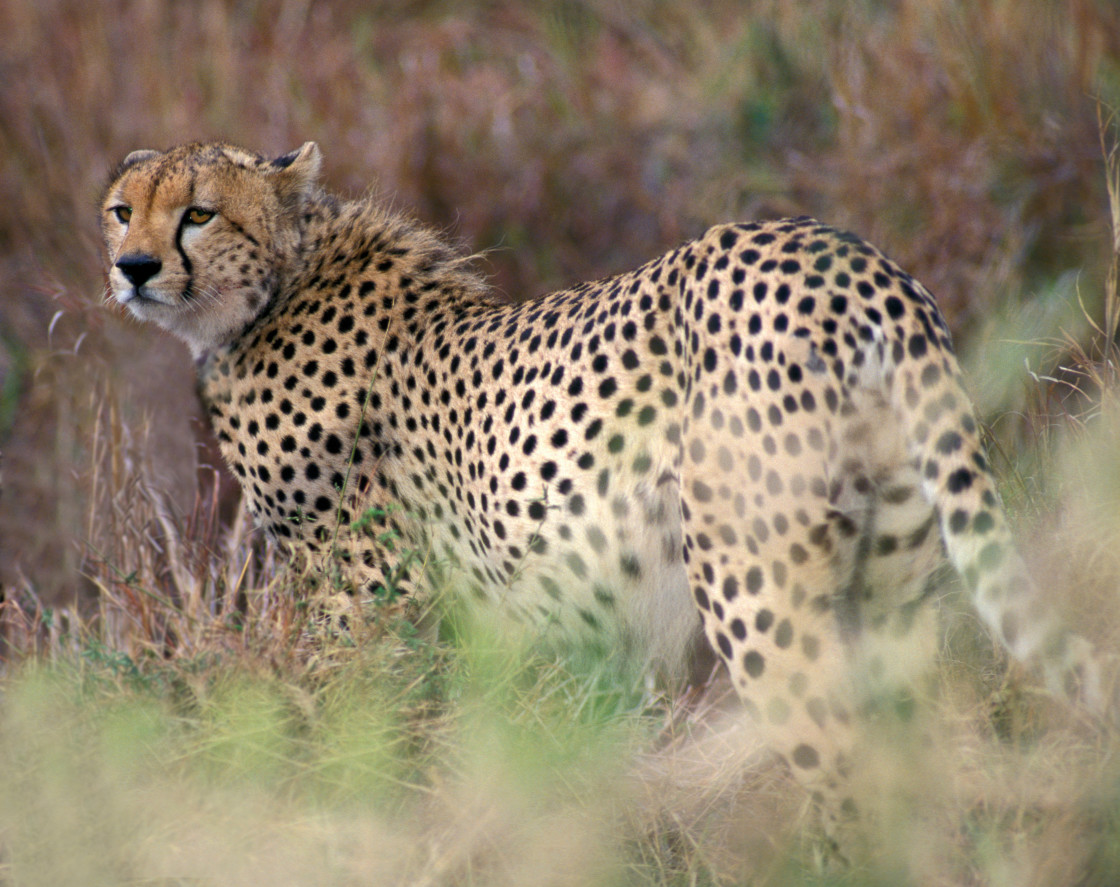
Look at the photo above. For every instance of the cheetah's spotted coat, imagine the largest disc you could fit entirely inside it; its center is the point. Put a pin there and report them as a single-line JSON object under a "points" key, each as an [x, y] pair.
{"points": [[766, 426]]}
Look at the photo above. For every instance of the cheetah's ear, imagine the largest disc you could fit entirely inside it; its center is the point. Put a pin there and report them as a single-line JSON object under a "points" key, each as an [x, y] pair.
{"points": [[136, 157], [296, 173]]}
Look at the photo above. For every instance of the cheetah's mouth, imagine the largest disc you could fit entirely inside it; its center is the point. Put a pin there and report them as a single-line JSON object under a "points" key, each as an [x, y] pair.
{"points": [[132, 294], [135, 300], [146, 305], [139, 298]]}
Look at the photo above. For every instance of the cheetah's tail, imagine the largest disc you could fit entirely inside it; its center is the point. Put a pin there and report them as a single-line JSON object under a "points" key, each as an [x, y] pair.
{"points": [[944, 443]]}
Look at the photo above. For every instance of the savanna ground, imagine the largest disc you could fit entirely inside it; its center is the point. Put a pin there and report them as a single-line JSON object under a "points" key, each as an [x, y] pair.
{"points": [[167, 716]]}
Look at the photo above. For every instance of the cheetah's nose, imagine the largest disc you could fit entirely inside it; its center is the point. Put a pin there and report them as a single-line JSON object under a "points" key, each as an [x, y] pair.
{"points": [[139, 268]]}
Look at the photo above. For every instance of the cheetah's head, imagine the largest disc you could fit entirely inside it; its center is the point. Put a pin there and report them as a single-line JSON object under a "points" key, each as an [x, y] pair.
{"points": [[200, 237]]}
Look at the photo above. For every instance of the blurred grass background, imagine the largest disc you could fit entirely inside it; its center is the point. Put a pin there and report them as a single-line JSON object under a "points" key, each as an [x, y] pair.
{"points": [[569, 140]]}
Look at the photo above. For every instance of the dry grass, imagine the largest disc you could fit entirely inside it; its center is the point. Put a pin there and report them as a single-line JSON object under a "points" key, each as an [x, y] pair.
{"points": [[170, 714]]}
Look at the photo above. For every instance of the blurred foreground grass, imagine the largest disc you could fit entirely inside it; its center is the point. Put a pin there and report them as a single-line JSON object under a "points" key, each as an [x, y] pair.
{"points": [[393, 763], [403, 760]]}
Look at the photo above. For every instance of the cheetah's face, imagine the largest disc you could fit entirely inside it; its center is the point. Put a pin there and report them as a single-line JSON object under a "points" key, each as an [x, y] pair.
{"points": [[199, 242]]}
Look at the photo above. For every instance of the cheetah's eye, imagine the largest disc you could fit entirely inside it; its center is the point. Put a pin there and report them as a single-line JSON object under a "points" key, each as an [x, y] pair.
{"points": [[123, 214], [198, 216]]}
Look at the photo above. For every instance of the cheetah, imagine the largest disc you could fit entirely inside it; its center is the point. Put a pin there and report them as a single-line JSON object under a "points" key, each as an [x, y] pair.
{"points": [[761, 436]]}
